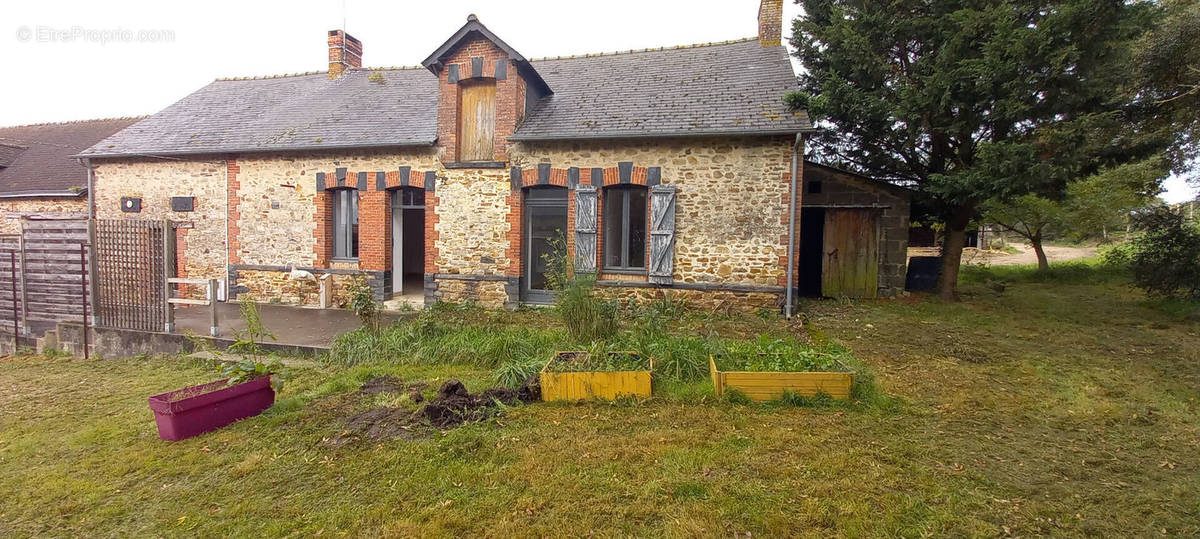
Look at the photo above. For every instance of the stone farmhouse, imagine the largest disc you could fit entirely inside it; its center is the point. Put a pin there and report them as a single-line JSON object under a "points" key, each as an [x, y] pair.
{"points": [[38, 176], [451, 181]]}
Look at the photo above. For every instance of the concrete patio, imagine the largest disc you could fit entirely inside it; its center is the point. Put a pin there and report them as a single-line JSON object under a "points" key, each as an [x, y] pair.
{"points": [[294, 326]]}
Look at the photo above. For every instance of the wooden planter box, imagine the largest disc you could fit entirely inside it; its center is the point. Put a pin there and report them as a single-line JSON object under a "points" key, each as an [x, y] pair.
{"points": [[574, 386], [191, 411], [768, 386]]}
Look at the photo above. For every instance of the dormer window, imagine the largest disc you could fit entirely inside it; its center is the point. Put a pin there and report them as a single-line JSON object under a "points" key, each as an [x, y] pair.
{"points": [[477, 120]]}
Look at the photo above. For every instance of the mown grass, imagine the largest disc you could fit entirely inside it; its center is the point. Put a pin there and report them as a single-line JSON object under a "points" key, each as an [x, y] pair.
{"points": [[519, 345], [1053, 408]]}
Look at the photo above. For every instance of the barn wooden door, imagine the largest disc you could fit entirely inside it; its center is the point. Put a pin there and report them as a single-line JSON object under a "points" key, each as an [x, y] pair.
{"points": [[851, 265], [478, 122]]}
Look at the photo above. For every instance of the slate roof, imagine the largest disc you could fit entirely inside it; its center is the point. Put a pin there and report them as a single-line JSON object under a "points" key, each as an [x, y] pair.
{"points": [[35, 160], [292, 112], [724, 88]]}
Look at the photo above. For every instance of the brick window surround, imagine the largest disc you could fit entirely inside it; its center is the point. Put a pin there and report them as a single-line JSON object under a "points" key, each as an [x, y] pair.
{"points": [[374, 190], [624, 173]]}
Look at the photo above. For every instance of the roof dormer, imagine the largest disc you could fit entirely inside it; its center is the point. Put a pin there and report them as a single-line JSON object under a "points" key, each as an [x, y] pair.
{"points": [[484, 89]]}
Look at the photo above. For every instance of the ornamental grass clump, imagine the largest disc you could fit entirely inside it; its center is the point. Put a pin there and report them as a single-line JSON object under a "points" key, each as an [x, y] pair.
{"points": [[587, 317]]}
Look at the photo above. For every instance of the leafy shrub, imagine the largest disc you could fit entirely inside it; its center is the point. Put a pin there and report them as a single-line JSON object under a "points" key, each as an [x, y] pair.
{"points": [[588, 318], [249, 342], [1119, 255], [247, 370], [1166, 262], [362, 302]]}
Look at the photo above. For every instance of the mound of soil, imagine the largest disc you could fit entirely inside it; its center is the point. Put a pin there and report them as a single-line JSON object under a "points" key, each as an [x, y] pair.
{"points": [[452, 406]]}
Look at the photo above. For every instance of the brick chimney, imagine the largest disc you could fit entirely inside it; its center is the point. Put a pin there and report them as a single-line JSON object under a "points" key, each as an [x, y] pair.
{"points": [[770, 23], [345, 52]]}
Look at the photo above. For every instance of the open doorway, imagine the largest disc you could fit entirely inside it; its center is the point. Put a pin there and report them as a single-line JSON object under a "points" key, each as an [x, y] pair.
{"points": [[812, 242], [408, 243], [839, 252]]}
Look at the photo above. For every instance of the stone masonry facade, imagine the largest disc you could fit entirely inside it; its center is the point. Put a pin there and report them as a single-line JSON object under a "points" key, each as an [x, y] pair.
{"points": [[730, 236], [12, 209]]}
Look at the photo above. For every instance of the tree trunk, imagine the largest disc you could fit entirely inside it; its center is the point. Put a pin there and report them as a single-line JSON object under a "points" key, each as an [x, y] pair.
{"points": [[1036, 241], [952, 249]]}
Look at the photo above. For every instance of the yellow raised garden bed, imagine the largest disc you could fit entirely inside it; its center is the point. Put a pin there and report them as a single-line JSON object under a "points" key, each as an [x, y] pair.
{"points": [[573, 386], [767, 386]]}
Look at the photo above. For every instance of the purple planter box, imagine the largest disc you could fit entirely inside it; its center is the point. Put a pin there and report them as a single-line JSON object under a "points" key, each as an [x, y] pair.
{"points": [[190, 411]]}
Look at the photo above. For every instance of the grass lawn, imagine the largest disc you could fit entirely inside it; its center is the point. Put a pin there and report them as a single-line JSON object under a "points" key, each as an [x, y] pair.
{"points": [[1065, 405]]}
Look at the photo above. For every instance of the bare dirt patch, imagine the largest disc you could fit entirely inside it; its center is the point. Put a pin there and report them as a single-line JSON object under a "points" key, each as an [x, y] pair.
{"points": [[452, 406]]}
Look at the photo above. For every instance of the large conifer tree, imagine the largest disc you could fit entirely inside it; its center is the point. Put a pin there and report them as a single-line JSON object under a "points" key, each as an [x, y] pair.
{"points": [[973, 101]]}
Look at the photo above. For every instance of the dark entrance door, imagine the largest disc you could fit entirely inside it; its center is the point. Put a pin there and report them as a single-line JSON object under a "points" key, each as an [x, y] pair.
{"points": [[812, 254], [545, 220]]}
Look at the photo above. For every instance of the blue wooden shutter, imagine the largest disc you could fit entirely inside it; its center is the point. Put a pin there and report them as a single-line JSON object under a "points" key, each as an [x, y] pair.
{"points": [[662, 234], [585, 228]]}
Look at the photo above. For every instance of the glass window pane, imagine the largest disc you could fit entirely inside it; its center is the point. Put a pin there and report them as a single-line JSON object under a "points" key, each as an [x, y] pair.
{"points": [[637, 228], [614, 205], [353, 195], [339, 224]]}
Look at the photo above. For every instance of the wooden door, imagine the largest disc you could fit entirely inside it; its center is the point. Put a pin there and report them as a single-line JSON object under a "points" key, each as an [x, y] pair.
{"points": [[851, 251], [478, 122]]}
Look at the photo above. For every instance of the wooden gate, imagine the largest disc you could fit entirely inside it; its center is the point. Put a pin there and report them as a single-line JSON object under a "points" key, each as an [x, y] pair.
{"points": [[133, 261], [851, 263]]}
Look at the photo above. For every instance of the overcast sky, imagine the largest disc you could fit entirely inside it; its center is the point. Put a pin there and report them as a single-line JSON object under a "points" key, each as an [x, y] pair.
{"points": [[98, 59]]}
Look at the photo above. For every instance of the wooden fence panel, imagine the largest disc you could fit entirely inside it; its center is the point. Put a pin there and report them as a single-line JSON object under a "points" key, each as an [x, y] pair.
{"points": [[10, 302], [52, 269]]}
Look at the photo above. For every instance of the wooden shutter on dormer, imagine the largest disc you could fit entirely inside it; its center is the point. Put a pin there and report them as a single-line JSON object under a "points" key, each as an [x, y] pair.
{"points": [[585, 228], [662, 234], [478, 119]]}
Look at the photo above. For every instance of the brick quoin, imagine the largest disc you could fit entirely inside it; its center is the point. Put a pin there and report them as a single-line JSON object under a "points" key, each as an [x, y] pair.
{"points": [[516, 214], [233, 202], [323, 232], [181, 271], [431, 232], [783, 240]]}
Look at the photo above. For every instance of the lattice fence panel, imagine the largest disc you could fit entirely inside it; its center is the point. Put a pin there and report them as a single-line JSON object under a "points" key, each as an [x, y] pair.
{"points": [[131, 273]]}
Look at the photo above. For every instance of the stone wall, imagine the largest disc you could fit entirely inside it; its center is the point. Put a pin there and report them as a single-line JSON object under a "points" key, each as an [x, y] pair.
{"points": [[731, 206], [731, 221], [202, 246], [12, 208], [275, 200], [472, 229], [273, 286], [839, 188], [711, 300]]}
